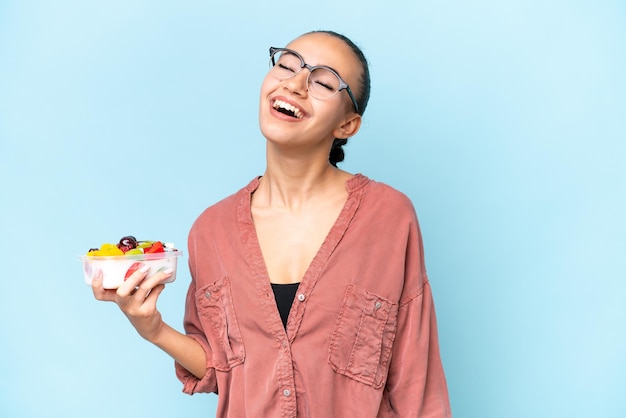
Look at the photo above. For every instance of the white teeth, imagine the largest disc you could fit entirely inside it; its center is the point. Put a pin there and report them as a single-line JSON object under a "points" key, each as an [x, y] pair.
{"points": [[280, 104]]}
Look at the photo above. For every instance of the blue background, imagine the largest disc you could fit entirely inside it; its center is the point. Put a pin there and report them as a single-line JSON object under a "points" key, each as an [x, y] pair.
{"points": [[504, 122]]}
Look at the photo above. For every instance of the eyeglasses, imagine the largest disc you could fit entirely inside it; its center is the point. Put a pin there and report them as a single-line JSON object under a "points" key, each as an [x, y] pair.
{"points": [[323, 82]]}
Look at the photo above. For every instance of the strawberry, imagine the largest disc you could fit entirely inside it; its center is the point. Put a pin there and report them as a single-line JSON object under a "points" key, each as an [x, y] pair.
{"points": [[133, 268], [157, 247]]}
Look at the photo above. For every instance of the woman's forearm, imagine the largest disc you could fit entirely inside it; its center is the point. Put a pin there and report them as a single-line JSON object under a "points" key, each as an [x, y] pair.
{"points": [[183, 349]]}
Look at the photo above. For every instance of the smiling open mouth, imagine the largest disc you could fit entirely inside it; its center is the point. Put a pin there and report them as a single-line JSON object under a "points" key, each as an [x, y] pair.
{"points": [[287, 109]]}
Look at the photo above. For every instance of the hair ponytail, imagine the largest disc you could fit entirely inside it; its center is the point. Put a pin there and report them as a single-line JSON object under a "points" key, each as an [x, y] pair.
{"points": [[336, 151]]}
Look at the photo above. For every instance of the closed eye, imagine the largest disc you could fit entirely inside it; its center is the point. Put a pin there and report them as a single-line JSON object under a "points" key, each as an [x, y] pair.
{"points": [[284, 67], [326, 86]]}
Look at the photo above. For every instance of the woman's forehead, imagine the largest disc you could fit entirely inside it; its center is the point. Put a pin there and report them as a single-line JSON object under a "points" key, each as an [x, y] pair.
{"points": [[325, 49]]}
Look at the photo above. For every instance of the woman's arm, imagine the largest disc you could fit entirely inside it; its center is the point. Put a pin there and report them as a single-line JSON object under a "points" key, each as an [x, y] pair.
{"points": [[416, 385], [137, 298]]}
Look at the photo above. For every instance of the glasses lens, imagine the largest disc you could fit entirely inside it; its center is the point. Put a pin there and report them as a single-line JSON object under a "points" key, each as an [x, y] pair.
{"points": [[284, 64], [323, 83]]}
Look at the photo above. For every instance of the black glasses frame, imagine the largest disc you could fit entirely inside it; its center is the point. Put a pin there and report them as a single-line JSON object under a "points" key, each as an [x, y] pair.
{"points": [[342, 84]]}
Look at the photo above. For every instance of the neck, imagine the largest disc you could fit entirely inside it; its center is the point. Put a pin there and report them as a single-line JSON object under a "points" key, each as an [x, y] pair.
{"points": [[290, 181]]}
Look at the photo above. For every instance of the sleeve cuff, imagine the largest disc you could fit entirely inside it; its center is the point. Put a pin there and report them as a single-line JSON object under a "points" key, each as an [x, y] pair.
{"points": [[191, 384]]}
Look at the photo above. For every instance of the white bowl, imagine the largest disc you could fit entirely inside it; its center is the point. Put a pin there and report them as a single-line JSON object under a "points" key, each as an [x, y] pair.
{"points": [[114, 268]]}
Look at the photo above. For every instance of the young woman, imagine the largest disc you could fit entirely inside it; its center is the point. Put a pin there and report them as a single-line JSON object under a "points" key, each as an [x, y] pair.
{"points": [[309, 294]]}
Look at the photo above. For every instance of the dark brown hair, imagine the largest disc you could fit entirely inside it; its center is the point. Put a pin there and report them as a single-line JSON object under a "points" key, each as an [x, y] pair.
{"points": [[337, 154]]}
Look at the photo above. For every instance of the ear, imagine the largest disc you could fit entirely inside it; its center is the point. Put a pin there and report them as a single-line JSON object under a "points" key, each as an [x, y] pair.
{"points": [[349, 127]]}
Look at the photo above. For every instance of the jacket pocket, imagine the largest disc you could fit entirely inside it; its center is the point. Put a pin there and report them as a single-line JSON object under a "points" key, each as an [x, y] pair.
{"points": [[217, 315], [360, 345]]}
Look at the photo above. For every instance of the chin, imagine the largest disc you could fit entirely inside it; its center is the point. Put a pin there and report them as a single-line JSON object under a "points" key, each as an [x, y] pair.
{"points": [[275, 135]]}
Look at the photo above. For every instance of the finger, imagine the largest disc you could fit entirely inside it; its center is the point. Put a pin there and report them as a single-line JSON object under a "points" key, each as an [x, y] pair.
{"points": [[128, 287], [99, 292], [153, 295], [152, 282], [159, 277]]}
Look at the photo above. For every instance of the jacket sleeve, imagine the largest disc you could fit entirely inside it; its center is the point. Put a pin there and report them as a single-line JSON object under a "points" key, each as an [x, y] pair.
{"points": [[416, 384], [193, 328]]}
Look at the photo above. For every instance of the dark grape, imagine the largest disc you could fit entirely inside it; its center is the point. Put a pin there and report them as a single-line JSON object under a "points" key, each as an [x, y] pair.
{"points": [[127, 243]]}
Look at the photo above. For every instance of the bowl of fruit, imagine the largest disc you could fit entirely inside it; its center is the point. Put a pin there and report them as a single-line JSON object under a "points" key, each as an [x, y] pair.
{"points": [[118, 261]]}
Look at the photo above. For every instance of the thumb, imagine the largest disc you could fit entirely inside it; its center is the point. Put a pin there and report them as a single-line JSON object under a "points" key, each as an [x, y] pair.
{"points": [[99, 292]]}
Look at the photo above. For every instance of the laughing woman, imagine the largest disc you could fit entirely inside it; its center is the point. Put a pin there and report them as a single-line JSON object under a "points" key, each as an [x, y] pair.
{"points": [[309, 294]]}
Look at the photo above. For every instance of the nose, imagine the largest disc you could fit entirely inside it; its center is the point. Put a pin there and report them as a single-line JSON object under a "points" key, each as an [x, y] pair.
{"points": [[298, 84]]}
